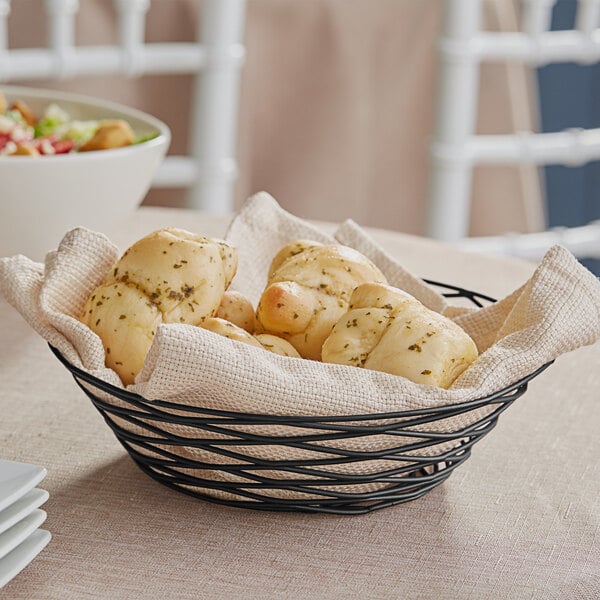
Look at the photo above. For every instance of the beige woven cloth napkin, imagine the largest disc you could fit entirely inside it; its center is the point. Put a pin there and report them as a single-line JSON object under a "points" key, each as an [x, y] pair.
{"points": [[554, 312]]}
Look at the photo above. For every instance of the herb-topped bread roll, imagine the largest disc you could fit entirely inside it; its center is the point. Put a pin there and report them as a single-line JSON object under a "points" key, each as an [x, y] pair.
{"points": [[308, 289], [389, 330], [272, 343], [169, 276], [237, 309]]}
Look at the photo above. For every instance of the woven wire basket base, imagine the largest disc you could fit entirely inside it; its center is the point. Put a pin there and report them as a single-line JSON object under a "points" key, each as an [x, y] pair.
{"points": [[328, 477]]}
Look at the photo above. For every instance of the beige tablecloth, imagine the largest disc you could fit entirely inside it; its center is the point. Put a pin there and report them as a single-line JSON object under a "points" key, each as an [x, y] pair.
{"points": [[520, 519]]}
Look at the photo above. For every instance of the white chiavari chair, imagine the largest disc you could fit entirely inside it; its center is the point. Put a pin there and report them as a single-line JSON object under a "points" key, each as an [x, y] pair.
{"points": [[457, 148]]}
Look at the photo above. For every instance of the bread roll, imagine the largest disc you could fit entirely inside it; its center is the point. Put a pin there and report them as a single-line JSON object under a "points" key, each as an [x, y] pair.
{"points": [[389, 330], [237, 309], [126, 322], [308, 289], [230, 330], [277, 345], [268, 342], [184, 274], [290, 250], [169, 276]]}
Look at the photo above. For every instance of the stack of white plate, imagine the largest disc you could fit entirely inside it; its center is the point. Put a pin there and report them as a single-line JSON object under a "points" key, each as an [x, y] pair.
{"points": [[21, 540]]}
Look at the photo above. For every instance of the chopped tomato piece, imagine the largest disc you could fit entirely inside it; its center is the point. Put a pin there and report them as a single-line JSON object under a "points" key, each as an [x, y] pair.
{"points": [[63, 146]]}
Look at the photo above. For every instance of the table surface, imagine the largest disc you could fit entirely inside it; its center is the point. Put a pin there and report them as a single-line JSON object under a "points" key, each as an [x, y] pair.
{"points": [[519, 519]]}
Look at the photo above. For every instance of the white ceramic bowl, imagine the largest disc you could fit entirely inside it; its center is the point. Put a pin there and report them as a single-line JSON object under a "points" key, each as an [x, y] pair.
{"points": [[41, 198]]}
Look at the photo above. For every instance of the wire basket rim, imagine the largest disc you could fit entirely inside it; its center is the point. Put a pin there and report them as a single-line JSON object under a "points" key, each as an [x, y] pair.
{"points": [[128, 396]]}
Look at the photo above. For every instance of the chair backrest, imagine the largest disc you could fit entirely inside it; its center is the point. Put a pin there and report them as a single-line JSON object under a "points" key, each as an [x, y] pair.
{"points": [[457, 148], [210, 169]]}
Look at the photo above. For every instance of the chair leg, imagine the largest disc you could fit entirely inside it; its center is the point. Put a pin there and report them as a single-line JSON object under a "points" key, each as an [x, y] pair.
{"points": [[214, 122], [458, 79]]}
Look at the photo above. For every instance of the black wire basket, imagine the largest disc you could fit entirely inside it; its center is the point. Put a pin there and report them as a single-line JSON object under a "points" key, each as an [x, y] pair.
{"points": [[328, 476]]}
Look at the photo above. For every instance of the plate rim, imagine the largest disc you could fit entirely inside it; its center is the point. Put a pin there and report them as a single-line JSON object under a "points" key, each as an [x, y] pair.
{"points": [[29, 501], [26, 551], [22, 530], [36, 474]]}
